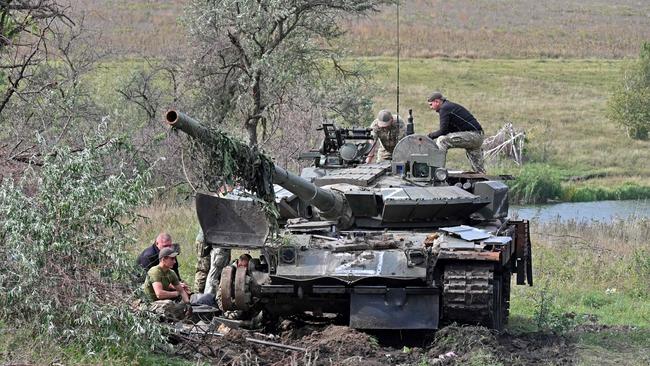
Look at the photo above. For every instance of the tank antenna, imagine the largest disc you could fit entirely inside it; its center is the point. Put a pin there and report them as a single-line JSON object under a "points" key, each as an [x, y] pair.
{"points": [[398, 59]]}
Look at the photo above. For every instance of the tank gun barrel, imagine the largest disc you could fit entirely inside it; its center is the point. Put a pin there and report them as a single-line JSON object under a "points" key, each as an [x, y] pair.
{"points": [[187, 124], [331, 204]]}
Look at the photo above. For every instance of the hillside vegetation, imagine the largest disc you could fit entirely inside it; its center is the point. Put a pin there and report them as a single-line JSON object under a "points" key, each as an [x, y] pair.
{"points": [[429, 28]]}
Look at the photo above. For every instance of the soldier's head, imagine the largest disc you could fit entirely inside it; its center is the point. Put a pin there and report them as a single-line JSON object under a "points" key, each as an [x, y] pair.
{"points": [[435, 100], [243, 260], [384, 119], [163, 240], [167, 257]]}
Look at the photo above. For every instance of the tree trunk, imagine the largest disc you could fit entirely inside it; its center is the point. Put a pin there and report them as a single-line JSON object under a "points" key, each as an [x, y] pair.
{"points": [[251, 128], [251, 124]]}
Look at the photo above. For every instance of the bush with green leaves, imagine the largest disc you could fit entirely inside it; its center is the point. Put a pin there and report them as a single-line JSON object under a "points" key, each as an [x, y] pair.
{"points": [[64, 229], [630, 104], [548, 315]]}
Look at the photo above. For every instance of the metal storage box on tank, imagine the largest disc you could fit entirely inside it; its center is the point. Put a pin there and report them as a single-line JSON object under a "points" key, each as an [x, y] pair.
{"points": [[497, 194]]}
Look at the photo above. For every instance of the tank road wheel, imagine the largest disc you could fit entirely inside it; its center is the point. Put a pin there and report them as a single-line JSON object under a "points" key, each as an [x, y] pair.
{"points": [[242, 296], [225, 292], [474, 293]]}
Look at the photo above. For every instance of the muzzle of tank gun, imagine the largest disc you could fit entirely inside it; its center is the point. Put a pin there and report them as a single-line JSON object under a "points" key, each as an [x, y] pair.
{"points": [[187, 124]]}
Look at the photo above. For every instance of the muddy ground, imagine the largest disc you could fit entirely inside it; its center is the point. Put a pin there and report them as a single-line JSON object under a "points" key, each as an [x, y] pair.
{"points": [[327, 344]]}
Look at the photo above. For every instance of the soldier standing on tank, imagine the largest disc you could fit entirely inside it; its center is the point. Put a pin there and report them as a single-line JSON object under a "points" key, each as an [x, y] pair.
{"points": [[386, 133], [458, 129]]}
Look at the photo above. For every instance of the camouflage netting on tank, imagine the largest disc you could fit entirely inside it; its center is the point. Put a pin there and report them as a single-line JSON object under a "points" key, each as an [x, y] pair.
{"points": [[229, 161], [226, 163]]}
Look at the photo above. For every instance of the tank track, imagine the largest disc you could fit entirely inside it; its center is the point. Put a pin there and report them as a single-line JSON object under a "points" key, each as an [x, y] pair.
{"points": [[468, 293]]}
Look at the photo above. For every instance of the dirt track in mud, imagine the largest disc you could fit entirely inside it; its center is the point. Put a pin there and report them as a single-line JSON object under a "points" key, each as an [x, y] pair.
{"points": [[340, 345]]}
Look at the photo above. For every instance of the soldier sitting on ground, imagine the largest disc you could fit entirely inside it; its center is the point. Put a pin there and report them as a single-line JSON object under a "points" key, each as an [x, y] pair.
{"points": [[149, 257], [164, 289]]}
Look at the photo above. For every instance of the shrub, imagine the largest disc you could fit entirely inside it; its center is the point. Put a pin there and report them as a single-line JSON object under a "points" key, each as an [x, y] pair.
{"points": [[548, 315], [64, 228], [630, 104], [536, 183], [627, 191]]}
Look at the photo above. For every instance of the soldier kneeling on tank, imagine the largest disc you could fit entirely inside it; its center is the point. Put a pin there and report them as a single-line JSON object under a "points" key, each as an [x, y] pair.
{"points": [[164, 289]]}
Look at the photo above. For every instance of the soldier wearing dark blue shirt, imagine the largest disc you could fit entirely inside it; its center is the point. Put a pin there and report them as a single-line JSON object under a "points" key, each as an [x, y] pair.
{"points": [[149, 257], [458, 129]]}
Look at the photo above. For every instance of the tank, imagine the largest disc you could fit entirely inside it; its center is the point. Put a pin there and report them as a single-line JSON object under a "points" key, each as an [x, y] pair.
{"points": [[402, 244]]}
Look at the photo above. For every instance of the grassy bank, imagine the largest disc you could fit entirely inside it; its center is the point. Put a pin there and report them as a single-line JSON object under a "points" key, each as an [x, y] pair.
{"points": [[600, 269], [591, 283]]}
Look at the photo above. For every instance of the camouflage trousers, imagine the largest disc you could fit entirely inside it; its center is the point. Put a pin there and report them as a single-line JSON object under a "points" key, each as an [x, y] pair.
{"points": [[470, 141], [208, 270], [170, 309]]}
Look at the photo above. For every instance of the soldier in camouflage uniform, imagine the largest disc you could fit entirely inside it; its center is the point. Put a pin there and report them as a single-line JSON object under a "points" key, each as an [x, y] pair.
{"points": [[386, 133], [163, 288], [458, 129], [210, 263]]}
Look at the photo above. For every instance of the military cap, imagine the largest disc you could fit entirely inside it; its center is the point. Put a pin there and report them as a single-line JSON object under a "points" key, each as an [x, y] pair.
{"points": [[384, 118], [435, 95], [167, 252]]}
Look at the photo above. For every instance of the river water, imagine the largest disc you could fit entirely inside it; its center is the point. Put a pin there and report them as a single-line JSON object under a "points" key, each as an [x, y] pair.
{"points": [[582, 211]]}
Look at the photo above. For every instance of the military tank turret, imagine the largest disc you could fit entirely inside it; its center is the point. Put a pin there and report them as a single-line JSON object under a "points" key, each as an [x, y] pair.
{"points": [[403, 244]]}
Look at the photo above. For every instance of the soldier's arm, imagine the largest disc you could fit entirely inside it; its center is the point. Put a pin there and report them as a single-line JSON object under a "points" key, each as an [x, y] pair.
{"points": [[373, 133], [373, 151], [162, 294], [444, 125], [181, 289]]}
